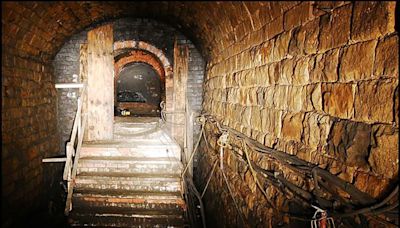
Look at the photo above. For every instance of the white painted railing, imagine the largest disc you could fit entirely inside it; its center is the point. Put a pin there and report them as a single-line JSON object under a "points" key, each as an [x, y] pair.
{"points": [[69, 85], [73, 152], [74, 145]]}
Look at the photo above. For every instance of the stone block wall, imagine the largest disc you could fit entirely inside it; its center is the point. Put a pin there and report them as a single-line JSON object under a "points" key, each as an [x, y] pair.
{"points": [[318, 80]]}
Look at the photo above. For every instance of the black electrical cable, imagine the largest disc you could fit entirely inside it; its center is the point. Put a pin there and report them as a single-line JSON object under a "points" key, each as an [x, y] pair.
{"points": [[372, 210]]}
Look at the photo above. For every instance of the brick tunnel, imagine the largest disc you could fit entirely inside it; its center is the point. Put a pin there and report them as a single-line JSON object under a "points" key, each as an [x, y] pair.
{"points": [[294, 105]]}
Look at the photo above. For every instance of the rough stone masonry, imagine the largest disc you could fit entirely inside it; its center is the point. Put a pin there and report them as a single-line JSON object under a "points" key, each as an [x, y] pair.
{"points": [[321, 85]]}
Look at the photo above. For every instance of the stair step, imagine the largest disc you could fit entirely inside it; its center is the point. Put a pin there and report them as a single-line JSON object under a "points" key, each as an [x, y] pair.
{"points": [[129, 159], [140, 182], [136, 128], [133, 139], [132, 180], [114, 164], [129, 195], [83, 208], [134, 136], [129, 176], [154, 151], [134, 145], [126, 204], [117, 217], [122, 220], [131, 124], [140, 131], [162, 214]]}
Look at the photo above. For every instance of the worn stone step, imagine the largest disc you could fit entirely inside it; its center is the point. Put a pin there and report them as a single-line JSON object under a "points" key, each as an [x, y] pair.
{"points": [[132, 180], [134, 213], [149, 136], [133, 124], [130, 144], [140, 134], [117, 209], [138, 182], [130, 195], [132, 127], [136, 139], [132, 226], [123, 150], [140, 131], [104, 217], [124, 220], [136, 127], [107, 176], [126, 204], [114, 164]]}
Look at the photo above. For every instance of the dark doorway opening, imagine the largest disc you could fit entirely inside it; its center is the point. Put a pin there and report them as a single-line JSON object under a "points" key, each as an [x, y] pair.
{"points": [[138, 91]]}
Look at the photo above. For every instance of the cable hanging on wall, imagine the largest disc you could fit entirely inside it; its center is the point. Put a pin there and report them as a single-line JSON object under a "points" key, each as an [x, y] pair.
{"points": [[325, 182]]}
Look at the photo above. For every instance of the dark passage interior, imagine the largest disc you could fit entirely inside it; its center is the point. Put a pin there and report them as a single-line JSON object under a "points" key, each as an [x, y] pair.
{"points": [[139, 90], [276, 113]]}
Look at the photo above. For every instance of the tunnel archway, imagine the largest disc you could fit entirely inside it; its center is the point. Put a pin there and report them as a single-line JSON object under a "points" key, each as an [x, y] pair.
{"points": [[129, 51], [138, 89], [143, 51], [275, 72]]}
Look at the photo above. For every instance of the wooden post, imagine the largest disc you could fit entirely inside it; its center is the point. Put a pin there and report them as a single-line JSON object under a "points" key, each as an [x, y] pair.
{"points": [[100, 90], [181, 59], [72, 176], [83, 74], [67, 167], [79, 114], [189, 138]]}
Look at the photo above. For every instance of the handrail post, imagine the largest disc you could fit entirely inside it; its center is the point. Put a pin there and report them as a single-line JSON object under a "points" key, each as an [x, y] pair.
{"points": [[68, 205], [79, 116], [72, 154], [68, 151]]}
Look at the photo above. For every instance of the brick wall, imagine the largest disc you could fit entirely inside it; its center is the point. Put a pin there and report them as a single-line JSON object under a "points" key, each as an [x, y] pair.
{"points": [[321, 85], [66, 64], [29, 132]]}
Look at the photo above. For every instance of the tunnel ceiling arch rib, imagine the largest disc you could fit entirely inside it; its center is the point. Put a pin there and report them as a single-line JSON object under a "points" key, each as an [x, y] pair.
{"points": [[39, 29]]}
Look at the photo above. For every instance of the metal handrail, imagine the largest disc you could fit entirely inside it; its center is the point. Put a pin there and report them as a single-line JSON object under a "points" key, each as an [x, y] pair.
{"points": [[72, 154]]}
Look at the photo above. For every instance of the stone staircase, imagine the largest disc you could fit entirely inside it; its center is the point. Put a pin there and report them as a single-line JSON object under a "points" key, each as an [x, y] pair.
{"points": [[131, 181]]}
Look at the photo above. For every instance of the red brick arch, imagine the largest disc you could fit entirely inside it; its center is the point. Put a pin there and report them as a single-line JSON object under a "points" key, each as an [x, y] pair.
{"points": [[139, 56], [147, 53], [140, 45]]}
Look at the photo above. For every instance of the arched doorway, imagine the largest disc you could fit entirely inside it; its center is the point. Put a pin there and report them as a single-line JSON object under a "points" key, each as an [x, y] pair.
{"points": [[129, 51], [138, 90]]}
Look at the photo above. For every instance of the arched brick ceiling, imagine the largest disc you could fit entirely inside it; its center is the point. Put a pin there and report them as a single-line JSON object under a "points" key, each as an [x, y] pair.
{"points": [[39, 29]]}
